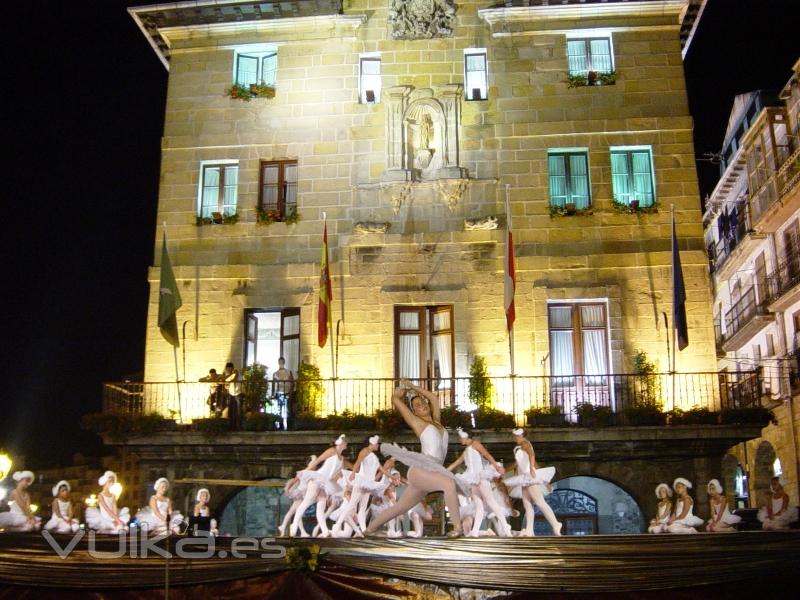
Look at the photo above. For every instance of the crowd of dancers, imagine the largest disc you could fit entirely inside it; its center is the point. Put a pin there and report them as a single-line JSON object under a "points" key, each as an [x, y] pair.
{"points": [[363, 498]]}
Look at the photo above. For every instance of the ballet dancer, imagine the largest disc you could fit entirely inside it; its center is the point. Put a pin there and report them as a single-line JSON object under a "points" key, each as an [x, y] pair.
{"points": [[365, 484], [682, 520], [295, 490], [62, 520], [320, 484], [477, 479], [203, 511], [426, 473], [532, 480], [659, 523], [158, 516], [20, 517], [777, 514], [722, 520], [106, 517]]}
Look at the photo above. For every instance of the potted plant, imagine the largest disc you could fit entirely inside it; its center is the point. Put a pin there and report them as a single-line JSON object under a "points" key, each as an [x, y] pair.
{"points": [[262, 422], [255, 389], [693, 416], [310, 396], [305, 421], [644, 415], [480, 386], [348, 420], [545, 417], [389, 421], [590, 415], [751, 415], [570, 208], [490, 418], [453, 417]]}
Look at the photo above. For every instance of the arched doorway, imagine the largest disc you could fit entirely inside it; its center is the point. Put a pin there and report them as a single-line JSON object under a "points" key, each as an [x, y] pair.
{"points": [[255, 511], [616, 510], [763, 472]]}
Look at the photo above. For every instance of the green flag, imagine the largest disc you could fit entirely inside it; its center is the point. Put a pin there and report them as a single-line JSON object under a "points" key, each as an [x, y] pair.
{"points": [[169, 299]]}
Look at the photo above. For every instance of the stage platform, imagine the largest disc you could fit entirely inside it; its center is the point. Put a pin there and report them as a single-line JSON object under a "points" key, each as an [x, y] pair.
{"points": [[384, 568]]}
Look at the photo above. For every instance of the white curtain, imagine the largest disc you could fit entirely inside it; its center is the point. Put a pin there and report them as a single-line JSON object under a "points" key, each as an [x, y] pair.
{"points": [[594, 356], [441, 354], [409, 356], [561, 357]]}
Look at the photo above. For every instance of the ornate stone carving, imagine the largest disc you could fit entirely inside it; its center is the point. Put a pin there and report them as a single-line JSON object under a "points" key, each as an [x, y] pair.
{"points": [[397, 193], [371, 227], [421, 19], [481, 224], [451, 191]]}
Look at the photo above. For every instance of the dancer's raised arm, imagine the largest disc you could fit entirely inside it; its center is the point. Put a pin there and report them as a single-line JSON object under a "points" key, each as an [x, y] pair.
{"points": [[433, 399]]}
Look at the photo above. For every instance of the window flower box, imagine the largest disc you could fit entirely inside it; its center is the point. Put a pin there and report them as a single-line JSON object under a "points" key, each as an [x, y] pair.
{"points": [[591, 78], [246, 93]]}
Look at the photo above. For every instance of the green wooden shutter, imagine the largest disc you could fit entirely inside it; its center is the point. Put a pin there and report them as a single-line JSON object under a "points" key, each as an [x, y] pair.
{"points": [[558, 179]]}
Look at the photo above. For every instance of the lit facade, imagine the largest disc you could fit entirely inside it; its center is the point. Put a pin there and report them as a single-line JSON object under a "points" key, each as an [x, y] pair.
{"points": [[753, 235], [407, 146]]}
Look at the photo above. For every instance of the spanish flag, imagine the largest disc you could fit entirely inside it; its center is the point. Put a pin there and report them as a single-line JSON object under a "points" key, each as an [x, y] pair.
{"points": [[325, 292]]}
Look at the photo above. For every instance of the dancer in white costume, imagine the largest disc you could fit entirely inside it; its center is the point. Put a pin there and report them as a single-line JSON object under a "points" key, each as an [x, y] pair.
{"points": [[320, 483], [20, 517], [295, 490], [533, 481], [722, 520], [481, 469], [62, 520], [682, 520], [777, 514], [159, 517], [389, 500], [106, 517], [365, 483], [201, 509], [426, 473], [421, 512], [659, 523]]}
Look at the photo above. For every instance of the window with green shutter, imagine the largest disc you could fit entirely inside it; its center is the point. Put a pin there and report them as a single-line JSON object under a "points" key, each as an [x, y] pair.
{"points": [[632, 176], [569, 178]]}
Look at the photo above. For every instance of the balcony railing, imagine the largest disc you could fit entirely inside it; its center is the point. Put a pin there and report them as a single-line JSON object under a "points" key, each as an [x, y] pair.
{"points": [[785, 277], [777, 186], [724, 247], [515, 395], [741, 313]]}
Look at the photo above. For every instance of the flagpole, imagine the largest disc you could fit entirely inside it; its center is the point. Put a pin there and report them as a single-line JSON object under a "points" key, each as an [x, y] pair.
{"points": [[674, 307], [174, 347], [329, 323], [510, 329]]}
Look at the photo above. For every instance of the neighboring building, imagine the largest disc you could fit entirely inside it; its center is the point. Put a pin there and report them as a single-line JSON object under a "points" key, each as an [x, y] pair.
{"points": [[405, 129], [752, 226]]}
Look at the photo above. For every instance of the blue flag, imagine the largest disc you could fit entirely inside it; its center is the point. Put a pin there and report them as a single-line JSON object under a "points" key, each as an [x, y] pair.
{"points": [[678, 294]]}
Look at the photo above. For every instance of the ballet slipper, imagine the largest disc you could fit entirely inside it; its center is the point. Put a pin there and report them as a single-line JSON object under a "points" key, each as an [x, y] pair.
{"points": [[557, 530], [455, 533]]}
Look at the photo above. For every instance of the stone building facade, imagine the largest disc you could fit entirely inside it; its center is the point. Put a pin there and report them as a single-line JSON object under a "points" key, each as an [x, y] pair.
{"points": [[407, 133], [752, 229]]}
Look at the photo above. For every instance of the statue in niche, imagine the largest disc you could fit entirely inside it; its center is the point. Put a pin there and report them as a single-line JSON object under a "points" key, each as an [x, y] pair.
{"points": [[421, 19], [421, 141]]}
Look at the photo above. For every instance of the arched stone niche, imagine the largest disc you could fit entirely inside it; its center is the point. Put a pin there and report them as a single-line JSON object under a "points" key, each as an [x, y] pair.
{"points": [[422, 134]]}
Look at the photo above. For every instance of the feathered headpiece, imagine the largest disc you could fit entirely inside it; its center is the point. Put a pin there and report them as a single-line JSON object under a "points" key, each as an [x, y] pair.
{"points": [[519, 431], [57, 487], [715, 485], [374, 439], [20, 475], [661, 486], [200, 491], [685, 482], [106, 476], [340, 440], [461, 433], [159, 481]]}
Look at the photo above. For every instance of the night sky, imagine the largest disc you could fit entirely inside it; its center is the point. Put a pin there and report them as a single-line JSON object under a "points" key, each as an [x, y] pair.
{"points": [[86, 95]]}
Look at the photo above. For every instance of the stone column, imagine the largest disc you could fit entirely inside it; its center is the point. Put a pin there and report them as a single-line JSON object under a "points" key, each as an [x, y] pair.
{"points": [[450, 98], [395, 135]]}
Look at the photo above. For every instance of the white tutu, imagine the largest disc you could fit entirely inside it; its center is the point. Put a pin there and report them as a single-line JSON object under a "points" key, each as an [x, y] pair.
{"points": [[16, 520], [297, 492], [415, 459], [103, 523], [789, 515], [370, 485], [148, 520], [57, 525], [468, 479], [466, 507], [324, 483], [542, 477], [689, 520]]}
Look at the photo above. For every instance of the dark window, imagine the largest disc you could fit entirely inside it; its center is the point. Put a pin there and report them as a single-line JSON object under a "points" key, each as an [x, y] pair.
{"points": [[278, 197]]}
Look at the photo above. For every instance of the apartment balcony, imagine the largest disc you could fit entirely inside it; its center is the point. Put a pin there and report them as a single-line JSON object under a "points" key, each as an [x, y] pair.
{"points": [[317, 404], [783, 285], [732, 250], [775, 202], [744, 320]]}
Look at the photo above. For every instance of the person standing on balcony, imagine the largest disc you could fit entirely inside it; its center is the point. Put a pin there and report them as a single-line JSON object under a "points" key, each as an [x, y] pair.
{"points": [[532, 480], [426, 473], [215, 393], [320, 484], [481, 470], [777, 514], [721, 521], [664, 511], [282, 388], [233, 390], [683, 521]]}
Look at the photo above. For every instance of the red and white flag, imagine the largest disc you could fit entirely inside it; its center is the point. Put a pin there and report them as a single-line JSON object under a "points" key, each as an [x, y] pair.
{"points": [[510, 277], [325, 292]]}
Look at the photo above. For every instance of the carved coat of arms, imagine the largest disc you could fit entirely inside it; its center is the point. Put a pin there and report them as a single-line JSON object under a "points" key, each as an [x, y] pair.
{"points": [[421, 19]]}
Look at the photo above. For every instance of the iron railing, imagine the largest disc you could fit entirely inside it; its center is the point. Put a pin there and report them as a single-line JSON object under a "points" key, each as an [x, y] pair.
{"points": [[516, 395], [783, 278], [742, 312], [720, 251]]}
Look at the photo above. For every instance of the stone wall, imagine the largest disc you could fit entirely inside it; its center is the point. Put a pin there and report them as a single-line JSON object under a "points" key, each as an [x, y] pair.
{"points": [[426, 257]]}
